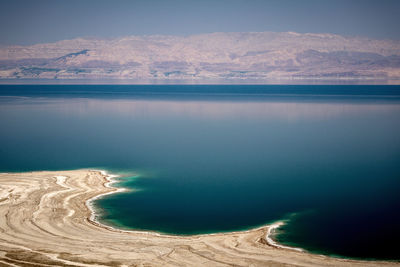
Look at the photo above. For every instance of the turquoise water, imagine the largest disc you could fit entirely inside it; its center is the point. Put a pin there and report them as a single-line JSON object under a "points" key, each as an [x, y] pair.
{"points": [[204, 159]]}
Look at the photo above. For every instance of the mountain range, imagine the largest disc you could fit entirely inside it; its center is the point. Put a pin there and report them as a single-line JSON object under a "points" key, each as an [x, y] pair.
{"points": [[262, 56]]}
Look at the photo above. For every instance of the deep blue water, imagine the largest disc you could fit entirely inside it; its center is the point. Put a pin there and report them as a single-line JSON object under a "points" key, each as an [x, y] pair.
{"points": [[205, 159]]}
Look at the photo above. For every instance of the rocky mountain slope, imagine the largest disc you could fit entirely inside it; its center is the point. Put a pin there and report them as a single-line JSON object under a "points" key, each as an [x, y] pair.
{"points": [[224, 56]]}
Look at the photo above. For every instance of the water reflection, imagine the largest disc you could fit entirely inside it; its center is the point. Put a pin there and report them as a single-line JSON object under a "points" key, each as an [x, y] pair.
{"points": [[287, 110]]}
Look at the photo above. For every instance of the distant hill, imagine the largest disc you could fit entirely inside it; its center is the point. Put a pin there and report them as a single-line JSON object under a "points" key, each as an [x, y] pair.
{"points": [[223, 56]]}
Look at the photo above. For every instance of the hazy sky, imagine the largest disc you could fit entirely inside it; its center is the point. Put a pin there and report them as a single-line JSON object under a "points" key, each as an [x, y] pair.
{"points": [[36, 21]]}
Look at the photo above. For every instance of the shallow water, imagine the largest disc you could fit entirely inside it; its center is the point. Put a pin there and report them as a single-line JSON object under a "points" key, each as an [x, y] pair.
{"points": [[205, 159]]}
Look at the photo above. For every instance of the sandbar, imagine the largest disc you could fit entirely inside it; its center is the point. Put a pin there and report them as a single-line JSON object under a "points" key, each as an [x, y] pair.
{"points": [[47, 220]]}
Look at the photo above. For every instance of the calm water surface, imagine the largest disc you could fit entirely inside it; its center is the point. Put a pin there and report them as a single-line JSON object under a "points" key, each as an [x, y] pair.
{"points": [[203, 159]]}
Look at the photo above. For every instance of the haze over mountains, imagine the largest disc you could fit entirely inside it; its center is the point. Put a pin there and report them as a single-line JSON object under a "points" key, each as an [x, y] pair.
{"points": [[259, 56]]}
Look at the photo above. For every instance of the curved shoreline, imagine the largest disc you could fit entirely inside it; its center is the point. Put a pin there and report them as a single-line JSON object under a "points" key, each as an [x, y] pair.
{"points": [[271, 242], [110, 179], [49, 220]]}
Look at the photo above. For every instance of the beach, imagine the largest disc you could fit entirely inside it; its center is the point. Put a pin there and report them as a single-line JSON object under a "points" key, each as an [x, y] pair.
{"points": [[48, 220]]}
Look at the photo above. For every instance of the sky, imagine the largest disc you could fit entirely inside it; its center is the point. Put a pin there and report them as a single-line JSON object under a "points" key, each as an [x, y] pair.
{"points": [[26, 22]]}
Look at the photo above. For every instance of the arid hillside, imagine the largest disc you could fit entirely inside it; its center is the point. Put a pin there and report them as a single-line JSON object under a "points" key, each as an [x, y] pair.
{"points": [[224, 56]]}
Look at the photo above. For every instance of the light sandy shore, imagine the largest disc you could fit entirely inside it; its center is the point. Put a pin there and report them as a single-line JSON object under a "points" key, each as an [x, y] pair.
{"points": [[45, 221]]}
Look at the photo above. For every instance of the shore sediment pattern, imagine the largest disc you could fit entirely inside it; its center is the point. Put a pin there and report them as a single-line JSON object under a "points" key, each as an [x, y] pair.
{"points": [[45, 221]]}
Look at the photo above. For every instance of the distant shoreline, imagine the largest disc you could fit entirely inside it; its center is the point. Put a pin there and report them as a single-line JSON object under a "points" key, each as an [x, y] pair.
{"points": [[304, 81], [48, 220]]}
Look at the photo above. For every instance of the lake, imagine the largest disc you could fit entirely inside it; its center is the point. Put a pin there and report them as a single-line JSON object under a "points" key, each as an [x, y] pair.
{"points": [[218, 158]]}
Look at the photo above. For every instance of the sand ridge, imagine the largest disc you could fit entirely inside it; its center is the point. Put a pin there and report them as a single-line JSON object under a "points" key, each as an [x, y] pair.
{"points": [[45, 221]]}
